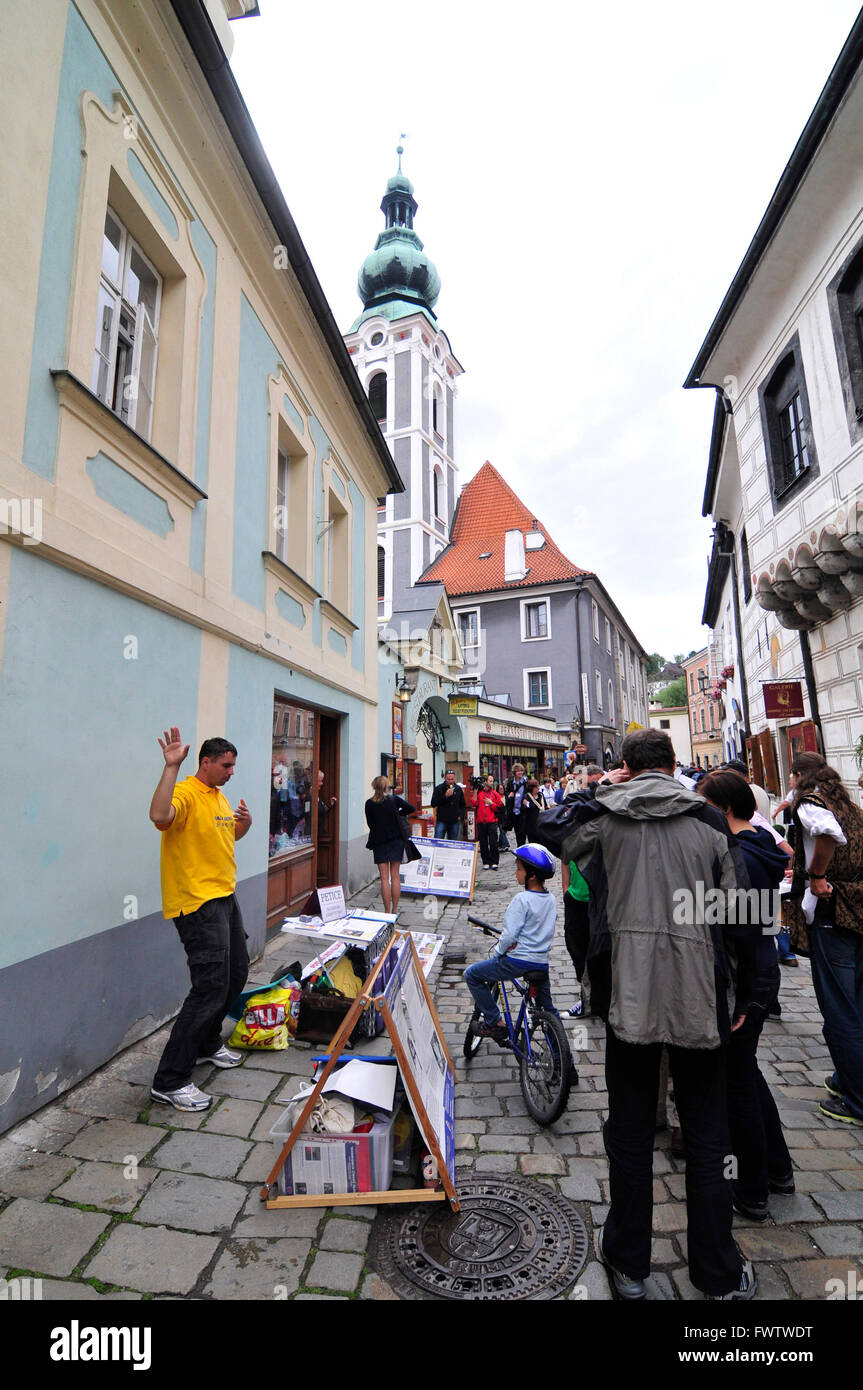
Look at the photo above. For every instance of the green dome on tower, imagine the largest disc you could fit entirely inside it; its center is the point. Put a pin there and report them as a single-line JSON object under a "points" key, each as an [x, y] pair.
{"points": [[398, 278]]}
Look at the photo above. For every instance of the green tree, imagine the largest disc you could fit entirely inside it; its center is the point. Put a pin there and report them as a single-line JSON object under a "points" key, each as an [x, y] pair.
{"points": [[673, 694], [655, 663]]}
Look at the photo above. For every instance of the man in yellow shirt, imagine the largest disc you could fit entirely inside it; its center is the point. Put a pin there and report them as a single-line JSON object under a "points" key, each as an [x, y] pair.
{"points": [[199, 874]]}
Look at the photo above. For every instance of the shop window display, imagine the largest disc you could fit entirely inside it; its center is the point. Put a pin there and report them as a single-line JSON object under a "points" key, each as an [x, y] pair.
{"points": [[291, 778]]}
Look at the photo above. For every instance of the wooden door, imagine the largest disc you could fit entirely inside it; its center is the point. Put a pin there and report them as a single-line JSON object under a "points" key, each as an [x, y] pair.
{"points": [[327, 817]]}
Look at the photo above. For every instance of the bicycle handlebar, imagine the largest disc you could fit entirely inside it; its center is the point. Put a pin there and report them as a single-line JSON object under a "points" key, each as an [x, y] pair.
{"points": [[485, 927]]}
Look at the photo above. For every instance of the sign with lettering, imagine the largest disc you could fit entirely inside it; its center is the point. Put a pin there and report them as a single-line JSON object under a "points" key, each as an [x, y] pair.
{"points": [[463, 706], [783, 699]]}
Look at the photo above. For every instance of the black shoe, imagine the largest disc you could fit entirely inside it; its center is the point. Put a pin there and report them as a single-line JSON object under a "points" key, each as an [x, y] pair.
{"points": [[833, 1090], [495, 1031], [624, 1286], [783, 1185], [755, 1211], [838, 1110]]}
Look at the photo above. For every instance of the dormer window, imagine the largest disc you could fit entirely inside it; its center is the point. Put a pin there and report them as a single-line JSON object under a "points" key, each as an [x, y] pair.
{"points": [[534, 540]]}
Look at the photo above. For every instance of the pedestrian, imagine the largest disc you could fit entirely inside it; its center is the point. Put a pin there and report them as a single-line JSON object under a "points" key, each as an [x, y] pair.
{"points": [[549, 793], [829, 837], [531, 807], [199, 875], [515, 788], [489, 803], [524, 943], [503, 816], [386, 840], [647, 845], [449, 806], [763, 1161]]}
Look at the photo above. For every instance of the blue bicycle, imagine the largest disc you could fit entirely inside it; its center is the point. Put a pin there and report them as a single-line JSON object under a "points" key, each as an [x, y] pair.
{"points": [[538, 1039]]}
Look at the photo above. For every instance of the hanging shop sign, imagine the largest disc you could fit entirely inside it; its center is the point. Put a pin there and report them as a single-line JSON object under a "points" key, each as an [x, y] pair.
{"points": [[783, 699], [464, 706]]}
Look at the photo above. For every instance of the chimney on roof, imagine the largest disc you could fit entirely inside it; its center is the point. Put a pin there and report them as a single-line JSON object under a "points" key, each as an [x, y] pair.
{"points": [[514, 567]]}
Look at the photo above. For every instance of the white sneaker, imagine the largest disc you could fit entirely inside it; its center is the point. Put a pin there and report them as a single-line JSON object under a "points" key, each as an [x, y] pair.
{"points": [[222, 1057], [186, 1098]]}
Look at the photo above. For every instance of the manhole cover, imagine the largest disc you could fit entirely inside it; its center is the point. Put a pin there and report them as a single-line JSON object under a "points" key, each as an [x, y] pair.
{"points": [[513, 1238]]}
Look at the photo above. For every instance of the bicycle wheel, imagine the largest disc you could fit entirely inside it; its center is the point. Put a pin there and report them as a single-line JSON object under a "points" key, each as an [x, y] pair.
{"points": [[472, 1037], [546, 1075]]}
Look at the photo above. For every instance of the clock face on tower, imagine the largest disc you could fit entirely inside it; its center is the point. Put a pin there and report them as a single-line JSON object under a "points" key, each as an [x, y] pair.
{"points": [[376, 339]]}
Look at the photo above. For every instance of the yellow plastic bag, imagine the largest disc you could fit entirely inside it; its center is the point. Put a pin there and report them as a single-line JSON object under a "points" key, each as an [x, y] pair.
{"points": [[344, 978], [268, 1019]]}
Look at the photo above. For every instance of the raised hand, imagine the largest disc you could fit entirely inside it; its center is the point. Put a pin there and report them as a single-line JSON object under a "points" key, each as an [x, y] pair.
{"points": [[243, 815], [173, 748]]}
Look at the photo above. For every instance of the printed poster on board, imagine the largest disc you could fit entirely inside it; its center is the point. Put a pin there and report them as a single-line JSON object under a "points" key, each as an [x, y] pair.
{"points": [[447, 869]]}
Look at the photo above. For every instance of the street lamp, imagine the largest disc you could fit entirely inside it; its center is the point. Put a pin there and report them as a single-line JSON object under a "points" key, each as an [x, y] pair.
{"points": [[703, 683], [404, 692]]}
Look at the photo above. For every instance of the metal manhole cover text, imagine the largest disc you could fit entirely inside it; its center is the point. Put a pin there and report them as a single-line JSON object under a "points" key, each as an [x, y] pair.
{"points": [[513, 1238]]}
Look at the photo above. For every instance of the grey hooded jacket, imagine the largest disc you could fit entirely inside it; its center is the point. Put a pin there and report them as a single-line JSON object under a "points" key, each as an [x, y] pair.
{"points": [[644, 842]]}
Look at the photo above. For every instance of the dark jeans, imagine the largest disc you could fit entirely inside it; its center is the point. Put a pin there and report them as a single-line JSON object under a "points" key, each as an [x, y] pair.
{"points": [[442, 831], [519, 825], [576, 930], [215, 944], [757, 1140], [483, 973], [837, 974], [488, 838], [632, 1077]]}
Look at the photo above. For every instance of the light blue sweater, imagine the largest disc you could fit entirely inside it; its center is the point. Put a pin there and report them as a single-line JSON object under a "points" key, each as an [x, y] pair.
{"points": [[528, 927]]}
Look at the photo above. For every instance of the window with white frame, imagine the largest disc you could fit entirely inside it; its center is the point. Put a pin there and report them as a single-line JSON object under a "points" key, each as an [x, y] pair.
{"points": [[127, 328], [438, 493], [468, 632], [598, 690], [594, 613], [607, 635], [537, 688], [610, 702], [535, 620]]}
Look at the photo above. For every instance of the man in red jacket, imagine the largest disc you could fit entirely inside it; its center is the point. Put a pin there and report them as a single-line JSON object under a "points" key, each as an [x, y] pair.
{"points": [[488, 803]]}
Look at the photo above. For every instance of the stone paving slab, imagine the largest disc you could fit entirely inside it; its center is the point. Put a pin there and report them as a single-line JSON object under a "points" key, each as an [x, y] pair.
{"points": [[28, 1173], [106, 1185], [245, 1083], [114, 1141], [269, 1269], [109, 1098], [232, 1116], [335, 1270], [257, 1219], [212, 1155], [152, 1259], [191, 1203], [47, 1238]]}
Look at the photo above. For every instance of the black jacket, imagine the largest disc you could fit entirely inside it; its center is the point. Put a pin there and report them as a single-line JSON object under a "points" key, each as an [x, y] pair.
{"points": [[382, 819], [448, 809]]}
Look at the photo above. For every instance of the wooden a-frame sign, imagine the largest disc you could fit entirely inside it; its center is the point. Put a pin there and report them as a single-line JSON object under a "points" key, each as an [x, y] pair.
{"points": [[395, 1022]]}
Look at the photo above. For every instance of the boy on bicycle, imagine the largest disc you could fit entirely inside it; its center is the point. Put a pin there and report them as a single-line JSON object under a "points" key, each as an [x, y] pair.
{"points": [[524, 943]]}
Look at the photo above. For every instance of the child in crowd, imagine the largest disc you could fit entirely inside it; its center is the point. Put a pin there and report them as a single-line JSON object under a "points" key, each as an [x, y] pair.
{"points": [[524, 944]]}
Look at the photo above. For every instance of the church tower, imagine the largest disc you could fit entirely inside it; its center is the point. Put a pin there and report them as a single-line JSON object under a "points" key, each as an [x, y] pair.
{"points": [[408, 370]]}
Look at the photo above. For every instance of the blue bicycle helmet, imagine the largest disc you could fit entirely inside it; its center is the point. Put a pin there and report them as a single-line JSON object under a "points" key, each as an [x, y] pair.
{"points": [[537, 858]]}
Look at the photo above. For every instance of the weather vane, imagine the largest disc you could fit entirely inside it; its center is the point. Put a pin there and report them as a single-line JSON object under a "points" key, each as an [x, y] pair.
{"points": [[400, 149]]}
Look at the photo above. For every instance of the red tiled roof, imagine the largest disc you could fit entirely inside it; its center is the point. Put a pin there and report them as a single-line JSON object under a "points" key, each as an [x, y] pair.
{"points": [[487, 509]]}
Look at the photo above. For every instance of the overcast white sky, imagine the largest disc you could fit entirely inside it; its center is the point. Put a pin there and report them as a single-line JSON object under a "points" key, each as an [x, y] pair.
{"points": [[588, 180]]}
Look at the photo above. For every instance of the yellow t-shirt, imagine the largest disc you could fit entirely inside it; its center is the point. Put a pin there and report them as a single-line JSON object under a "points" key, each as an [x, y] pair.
{"points": [[197, 859]]}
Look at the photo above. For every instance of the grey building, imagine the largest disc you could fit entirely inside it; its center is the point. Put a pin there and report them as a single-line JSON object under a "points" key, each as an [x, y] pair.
{"points": [[536, 630]]}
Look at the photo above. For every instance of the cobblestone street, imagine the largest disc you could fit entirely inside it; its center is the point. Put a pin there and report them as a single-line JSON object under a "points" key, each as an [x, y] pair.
{"points": [[187, 1221]]}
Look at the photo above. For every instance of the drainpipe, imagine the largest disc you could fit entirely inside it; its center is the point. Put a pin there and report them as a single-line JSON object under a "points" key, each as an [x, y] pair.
{"points": [[725, 538], [811, 689], [579, 584]]}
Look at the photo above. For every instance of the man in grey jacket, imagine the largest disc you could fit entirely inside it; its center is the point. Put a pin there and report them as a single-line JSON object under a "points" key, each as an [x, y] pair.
{"points": [[650, 849]]}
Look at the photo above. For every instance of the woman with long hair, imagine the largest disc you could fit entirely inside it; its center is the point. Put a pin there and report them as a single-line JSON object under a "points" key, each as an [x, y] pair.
{"points": [[385, 838], [830, 837]]}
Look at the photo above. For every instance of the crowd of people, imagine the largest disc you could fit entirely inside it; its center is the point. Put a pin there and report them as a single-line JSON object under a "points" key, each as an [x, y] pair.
{"points": [[643, 852]]}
